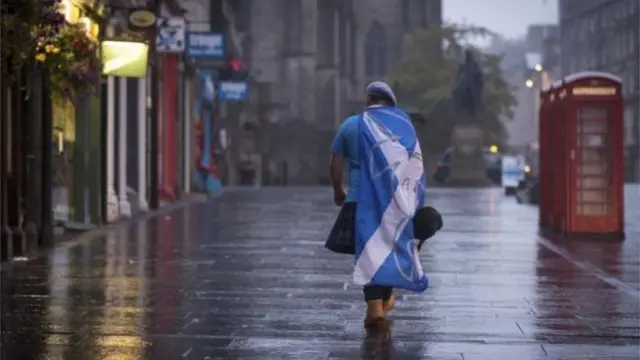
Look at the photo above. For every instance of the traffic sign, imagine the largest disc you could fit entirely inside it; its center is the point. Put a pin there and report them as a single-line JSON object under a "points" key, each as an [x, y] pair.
{"points": [[171, 35]]}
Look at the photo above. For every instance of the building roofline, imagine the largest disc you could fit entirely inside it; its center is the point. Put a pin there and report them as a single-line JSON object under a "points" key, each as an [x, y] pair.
{"points": [[588, 74]]}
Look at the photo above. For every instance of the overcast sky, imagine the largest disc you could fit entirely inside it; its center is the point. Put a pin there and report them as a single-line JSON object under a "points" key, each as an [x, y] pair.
{"points": [[509, 18]]}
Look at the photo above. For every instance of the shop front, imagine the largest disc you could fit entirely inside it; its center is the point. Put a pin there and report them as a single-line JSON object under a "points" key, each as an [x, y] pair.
{"points": [[76, 143], [76, 163]]}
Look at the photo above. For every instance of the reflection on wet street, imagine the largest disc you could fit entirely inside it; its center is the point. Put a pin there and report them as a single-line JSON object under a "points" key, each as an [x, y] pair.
{"points": [[246, 276]]}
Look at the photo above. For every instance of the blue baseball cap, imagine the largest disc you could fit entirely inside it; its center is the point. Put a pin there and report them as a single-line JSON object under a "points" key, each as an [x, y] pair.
{"points": [[381, 88]]}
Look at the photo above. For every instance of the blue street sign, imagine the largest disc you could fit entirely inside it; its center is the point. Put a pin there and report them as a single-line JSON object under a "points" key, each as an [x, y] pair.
{"points": [[233, 91], [205, 45]]}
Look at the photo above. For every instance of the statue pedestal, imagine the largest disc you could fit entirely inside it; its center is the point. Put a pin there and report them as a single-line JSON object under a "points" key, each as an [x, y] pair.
{"points": [[468, 167]]}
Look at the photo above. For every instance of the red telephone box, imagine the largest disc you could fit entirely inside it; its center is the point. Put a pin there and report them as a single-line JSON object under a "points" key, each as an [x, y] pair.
{"points": [[582, 165]]}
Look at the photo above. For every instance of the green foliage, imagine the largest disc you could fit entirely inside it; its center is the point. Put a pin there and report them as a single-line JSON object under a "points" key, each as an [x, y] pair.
{"points": [[18, 22], [426, 72], [36, 31]]}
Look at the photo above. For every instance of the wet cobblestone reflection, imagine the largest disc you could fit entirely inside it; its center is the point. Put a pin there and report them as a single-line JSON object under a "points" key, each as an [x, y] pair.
{"points": [[246, 276]]}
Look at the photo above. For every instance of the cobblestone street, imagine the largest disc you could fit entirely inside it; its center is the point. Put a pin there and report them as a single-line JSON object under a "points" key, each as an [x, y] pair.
{"points": [[245, 276]]}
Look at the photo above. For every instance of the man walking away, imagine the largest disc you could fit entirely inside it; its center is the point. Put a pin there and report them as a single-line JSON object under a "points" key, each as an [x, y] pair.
{"points": [[354, 144]]}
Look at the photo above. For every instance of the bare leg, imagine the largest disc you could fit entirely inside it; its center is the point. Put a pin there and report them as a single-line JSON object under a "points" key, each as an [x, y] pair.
{"points": [[376, 296]]}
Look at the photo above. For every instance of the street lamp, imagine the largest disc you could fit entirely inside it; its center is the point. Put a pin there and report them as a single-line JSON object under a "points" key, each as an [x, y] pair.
{"points": [[529, 83], [538, 68]]}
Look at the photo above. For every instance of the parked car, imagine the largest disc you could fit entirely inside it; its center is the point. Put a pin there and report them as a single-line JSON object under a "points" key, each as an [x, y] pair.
{"points": [[514, 169], [492, 161]]}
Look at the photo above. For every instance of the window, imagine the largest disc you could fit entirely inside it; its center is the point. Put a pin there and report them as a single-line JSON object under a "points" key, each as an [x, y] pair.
{"points": [[603, 57], [375, 51], [422, 11], [353, 40], [242, 13], [625, 83], [293, 22], [630, 81], [628, 126], [406, 14], [342, 44], [326, 34], [621, 10], [584, 29], [626, 9]]}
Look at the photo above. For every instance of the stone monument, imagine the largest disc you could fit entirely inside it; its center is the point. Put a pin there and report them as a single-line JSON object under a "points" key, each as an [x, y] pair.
{"points": [[467, 164]]}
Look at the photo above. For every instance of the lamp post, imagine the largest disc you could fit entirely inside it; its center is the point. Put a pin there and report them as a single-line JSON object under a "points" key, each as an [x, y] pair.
{"points": [[112, 199], [123, 203], [542, 81], [142, 144], [46, 211], [154, 201], [6, 248]]}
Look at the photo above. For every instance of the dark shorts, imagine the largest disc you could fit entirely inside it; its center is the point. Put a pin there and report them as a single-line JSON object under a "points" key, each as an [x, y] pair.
{"points": [[342, 240], [377, 292]]}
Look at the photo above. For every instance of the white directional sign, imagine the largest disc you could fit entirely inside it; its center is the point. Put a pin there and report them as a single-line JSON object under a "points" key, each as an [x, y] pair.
{"points": [[171, 35]]}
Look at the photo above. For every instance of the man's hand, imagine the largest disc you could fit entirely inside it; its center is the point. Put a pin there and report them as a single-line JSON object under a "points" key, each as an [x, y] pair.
{"points": [[339, 195]]}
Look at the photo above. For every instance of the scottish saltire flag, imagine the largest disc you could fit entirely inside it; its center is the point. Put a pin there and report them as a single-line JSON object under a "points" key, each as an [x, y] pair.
{"points": [[392, 187]]}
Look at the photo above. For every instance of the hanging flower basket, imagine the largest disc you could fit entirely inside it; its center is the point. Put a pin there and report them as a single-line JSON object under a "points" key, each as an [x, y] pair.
{"points": [[70, 59]]}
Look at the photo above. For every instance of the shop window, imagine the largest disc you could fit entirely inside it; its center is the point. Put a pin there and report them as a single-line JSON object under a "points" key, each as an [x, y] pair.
{"points": [[64, 137]]}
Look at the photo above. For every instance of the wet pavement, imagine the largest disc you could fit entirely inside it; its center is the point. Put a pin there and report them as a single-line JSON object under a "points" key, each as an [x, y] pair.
{"points": [[245, 276]]}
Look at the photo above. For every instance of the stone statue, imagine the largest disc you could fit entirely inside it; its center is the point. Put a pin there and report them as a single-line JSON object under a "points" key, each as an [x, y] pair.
{"points": [[467, 87]]}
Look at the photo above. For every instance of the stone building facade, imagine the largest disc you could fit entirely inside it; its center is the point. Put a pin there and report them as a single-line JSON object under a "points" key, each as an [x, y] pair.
{"points": [[309, 62], [603, 35]]}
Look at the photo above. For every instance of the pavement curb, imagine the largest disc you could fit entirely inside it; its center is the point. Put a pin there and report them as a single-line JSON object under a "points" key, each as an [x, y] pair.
{"points": [[89, 235]]}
